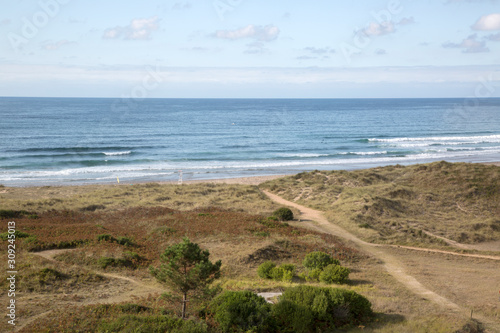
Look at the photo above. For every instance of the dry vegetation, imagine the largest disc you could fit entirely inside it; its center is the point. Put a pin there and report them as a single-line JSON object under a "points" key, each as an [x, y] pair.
{"points": [[116, 232], [113, 197], [405, 205]]}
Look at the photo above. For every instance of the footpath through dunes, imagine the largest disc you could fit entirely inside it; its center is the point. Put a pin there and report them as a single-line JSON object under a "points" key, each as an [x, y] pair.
{"points": [[391, 264], [129, 289]]}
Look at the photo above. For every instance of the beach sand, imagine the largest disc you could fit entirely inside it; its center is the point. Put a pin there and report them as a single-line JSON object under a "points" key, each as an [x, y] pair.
{"points": [[256, 180]]}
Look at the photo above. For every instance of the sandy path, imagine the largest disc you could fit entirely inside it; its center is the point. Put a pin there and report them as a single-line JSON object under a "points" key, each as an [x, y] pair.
{"points": [[391, 264], [136, 289]]}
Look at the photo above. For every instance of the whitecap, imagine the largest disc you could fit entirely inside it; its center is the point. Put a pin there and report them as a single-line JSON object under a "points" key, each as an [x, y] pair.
{"points": [[118, 153]]}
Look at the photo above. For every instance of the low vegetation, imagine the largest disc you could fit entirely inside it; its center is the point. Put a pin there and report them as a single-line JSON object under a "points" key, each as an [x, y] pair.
{"points": [[404, 204], [107, 232]]}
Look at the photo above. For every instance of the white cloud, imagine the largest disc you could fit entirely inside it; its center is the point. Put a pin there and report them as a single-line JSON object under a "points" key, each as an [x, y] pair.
{"points": [[319, 50], [181, 5], [488, 22], [138, 29], [52, 46], [469, 45], [261, 33], [380, 52], [5, 22], [379, 29], [494, 37], [406, 21]]}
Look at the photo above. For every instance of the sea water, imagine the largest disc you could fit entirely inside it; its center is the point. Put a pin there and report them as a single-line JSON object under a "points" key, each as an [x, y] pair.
{"points": [[61, 141]]}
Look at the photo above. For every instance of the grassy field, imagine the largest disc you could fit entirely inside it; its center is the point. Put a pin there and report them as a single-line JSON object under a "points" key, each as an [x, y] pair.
{"points": [[108, 236], [405, 205]]}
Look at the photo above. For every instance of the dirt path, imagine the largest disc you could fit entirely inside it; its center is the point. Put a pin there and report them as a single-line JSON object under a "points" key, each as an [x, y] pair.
{"points": [[391, 264], [127, 291], [487, 246], [50, 254], [479, 256]]}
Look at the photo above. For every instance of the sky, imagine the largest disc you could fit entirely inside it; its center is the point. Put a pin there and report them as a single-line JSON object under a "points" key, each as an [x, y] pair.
{"points": [[250, 48]]}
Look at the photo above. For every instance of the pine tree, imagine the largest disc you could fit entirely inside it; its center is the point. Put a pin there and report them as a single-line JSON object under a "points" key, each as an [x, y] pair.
{"points": [[186, 269]]}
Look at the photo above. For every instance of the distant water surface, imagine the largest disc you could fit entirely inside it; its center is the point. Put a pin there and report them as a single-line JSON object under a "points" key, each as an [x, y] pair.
{"points": [[61, 141]]}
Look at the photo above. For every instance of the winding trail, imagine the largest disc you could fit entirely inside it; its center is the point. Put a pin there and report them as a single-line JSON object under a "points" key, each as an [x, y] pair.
{"points": [[138, 288], [391, 264]]}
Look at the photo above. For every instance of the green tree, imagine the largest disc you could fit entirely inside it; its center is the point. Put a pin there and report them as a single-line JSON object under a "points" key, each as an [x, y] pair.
{"points": [[186, 269]]}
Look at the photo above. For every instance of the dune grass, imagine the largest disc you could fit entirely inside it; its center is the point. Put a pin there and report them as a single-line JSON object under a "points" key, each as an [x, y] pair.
{"points": [[404, 205], [112, 197], [121, 229]]}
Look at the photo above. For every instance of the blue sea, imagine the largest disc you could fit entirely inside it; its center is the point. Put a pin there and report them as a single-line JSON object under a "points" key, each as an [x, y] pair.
{"points": [[63, 141]]}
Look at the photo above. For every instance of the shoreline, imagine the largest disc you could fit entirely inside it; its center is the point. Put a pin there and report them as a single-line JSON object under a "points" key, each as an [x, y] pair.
{"points": [[249, 180]]}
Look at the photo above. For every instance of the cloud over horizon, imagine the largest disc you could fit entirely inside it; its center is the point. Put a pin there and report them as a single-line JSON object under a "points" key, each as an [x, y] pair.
{"points": [[469, 45], [138, 29], [261, 33]]}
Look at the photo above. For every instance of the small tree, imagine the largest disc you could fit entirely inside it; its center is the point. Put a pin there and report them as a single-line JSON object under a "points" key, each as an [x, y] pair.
{"points": [[186, 269]]}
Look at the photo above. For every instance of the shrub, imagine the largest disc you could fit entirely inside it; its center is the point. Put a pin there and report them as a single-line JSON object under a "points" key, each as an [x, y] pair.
{"points": [[18, 234], [331, 307], [288, 268], [92, 208], [124, 241], [153, 324], [241, 311], [283, 214], [132, 308], [105, 238], [49, 275], [314, 274], [13, 214], [105, 262], [334, 274], [318, 260], [268, 270], [264, 270], [292, 318], [284, 272]]}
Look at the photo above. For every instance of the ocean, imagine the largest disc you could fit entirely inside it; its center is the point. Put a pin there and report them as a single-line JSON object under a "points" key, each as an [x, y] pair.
{"points": [[65, 141]]}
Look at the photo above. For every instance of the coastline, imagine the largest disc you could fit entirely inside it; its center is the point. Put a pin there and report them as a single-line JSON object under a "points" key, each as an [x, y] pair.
{"points": [[249, 180]]}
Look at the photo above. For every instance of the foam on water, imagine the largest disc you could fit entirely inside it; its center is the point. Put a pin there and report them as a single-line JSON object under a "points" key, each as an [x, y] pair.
{"points": [[160, 137]]}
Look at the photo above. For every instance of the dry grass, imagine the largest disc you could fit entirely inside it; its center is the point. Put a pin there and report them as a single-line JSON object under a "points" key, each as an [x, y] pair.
{"points": [[399, 204], [226, 220], [113, 197]]}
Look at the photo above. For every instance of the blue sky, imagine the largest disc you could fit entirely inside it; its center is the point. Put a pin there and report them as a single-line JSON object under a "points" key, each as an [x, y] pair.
{"points": [[250, 48]]}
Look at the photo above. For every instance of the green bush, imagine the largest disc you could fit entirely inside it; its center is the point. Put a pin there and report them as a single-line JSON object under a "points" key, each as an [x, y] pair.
{"points": [[264, 270], [151, 324], [334, 274], [331, 307], [283, 214], [105, 262], [18, 234], [284, 272], [268, 270], [241, 311], [124, 241], [132, 308], [105, 238], [318, 260], [13, 214], [292, 318], [313, 275]]}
